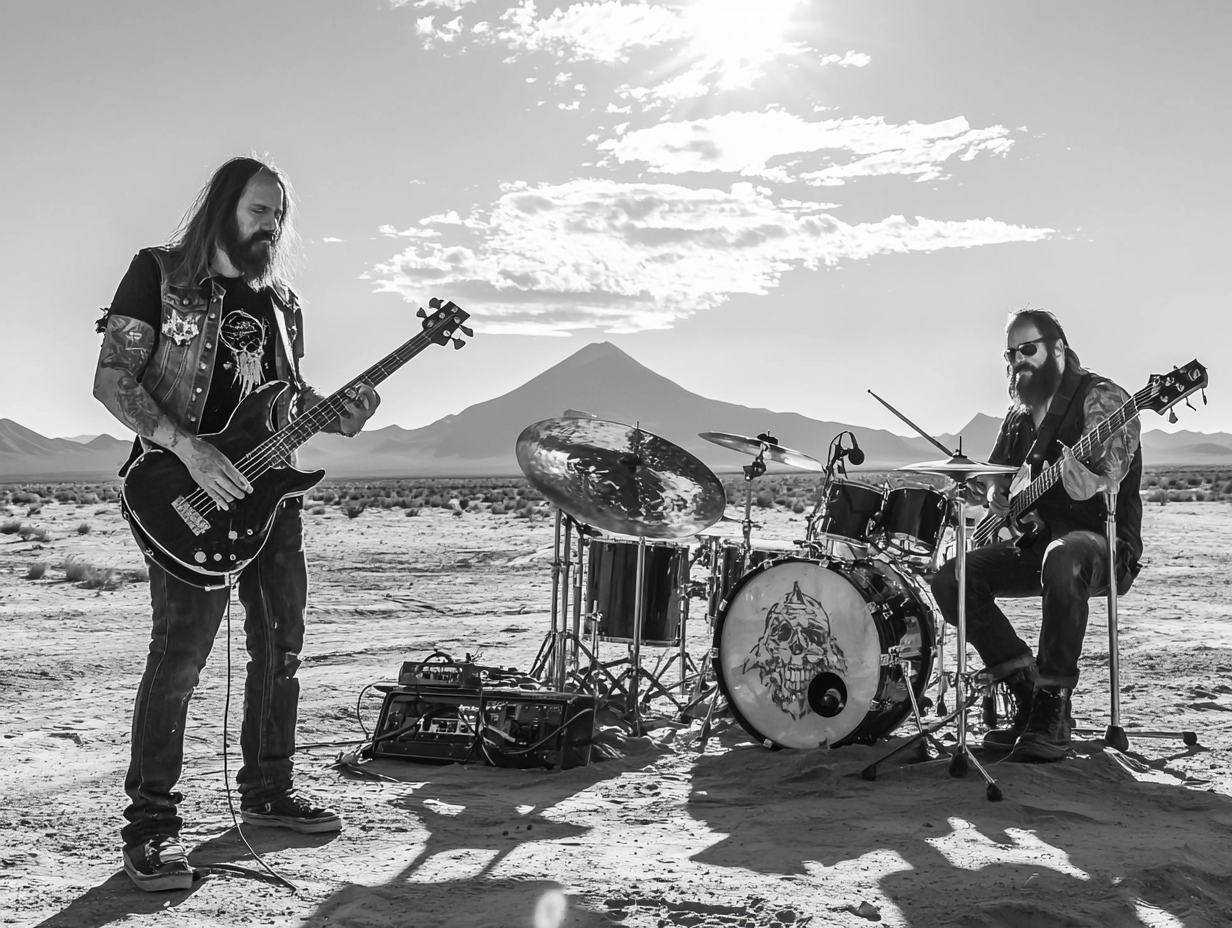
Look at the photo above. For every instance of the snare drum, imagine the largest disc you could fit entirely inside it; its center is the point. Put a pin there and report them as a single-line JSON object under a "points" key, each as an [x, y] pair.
{"points": [[851, 509], [913, 519], [807, 652], [611, 589]]}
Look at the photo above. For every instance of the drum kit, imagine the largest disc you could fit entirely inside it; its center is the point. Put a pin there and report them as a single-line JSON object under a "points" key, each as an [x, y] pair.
{"points": [[827, 640]]}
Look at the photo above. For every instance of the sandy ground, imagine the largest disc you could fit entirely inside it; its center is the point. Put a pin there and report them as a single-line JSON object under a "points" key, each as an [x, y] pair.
{"points": [[668, 833]]}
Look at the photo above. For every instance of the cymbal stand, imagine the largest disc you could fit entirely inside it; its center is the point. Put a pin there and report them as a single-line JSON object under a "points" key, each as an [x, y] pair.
{"points": [[963, 682], [751, 473], [1115, 736]]}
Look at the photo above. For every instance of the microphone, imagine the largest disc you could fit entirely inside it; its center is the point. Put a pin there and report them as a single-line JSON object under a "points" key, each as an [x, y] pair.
{"points": [[853, 453]]}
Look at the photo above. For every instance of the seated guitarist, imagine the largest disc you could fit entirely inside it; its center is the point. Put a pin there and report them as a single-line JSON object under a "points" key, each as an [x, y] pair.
{"points": [[194, 328], [1055, 401]]}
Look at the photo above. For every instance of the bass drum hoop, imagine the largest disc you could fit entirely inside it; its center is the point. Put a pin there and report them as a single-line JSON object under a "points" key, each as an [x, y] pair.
{"points": [[858, 733]]}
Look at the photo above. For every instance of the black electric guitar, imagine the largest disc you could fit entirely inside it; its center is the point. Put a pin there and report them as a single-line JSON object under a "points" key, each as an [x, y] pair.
{"points": [[185, 532], [1161, 392]]}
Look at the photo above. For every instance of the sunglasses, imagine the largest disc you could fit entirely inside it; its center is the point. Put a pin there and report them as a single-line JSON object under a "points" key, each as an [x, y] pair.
{"points": [[1026, 349]]}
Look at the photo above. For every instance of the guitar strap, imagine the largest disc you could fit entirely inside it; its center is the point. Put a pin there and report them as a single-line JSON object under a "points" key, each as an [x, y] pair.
{"points": [[1057, 410]]}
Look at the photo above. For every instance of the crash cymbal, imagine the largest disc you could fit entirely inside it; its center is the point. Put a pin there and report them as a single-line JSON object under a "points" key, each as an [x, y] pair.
{"points": [[769, 450], [620, 478], [959, 467]]}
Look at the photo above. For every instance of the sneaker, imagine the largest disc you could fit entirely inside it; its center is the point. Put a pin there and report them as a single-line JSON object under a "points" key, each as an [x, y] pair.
{"points": [[157, 864], [1021, 691], [1047, 736], [295, 811]]}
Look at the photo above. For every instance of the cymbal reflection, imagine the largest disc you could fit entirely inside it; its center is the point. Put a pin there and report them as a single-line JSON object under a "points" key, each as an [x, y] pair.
{"points": [[620, 478]]}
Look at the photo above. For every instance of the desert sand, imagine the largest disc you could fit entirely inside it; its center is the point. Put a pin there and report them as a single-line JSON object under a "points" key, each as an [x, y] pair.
{"points": [[665, 832]]}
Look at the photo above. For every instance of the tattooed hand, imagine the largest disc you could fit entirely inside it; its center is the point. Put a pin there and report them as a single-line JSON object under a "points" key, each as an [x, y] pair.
{"points": [[212, 470], [362, 407]]}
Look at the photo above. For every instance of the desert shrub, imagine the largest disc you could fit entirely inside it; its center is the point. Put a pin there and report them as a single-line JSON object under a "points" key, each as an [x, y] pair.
{"points": [[10, 527], [354, 510], [497, 509], [764, 499], [24, 498], [140, 574], [111, 494], [317, 511], [101, 578], [88, 499], [83, 528], [464, 502], [76, 568], [34, 533], [36, 571], [1194, 481], [411, 511], [797, 507], [1199, 497]]}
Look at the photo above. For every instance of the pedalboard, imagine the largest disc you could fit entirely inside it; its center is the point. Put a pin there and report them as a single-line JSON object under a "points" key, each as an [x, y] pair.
{"points": [[447, 722]]}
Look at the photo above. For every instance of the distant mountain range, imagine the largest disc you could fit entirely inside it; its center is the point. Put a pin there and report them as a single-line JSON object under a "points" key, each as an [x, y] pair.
{"points": [[599, 379]]}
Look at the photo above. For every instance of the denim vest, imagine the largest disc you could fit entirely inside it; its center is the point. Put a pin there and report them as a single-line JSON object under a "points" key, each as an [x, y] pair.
{"points": [[178, 373]]}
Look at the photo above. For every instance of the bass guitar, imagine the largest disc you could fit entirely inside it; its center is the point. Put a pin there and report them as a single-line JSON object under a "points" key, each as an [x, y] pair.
{"points": [[1161, 392], [186, 533]]}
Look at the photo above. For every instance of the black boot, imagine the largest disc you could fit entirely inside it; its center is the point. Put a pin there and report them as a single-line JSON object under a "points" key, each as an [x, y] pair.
{"points": [[1020, 689], [1047, 737]]}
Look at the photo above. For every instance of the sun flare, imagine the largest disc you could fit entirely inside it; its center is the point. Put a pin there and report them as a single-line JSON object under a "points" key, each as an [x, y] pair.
{"points": [[734, 34]]}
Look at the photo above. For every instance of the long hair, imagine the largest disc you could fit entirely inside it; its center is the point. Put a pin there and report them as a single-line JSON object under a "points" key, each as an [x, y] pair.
{"points": [[201, 229], [1049, 327]]}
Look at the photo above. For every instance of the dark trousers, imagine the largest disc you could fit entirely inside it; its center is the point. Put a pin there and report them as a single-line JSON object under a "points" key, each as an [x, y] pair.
{"points": [[273, 590], [1065, 572]]}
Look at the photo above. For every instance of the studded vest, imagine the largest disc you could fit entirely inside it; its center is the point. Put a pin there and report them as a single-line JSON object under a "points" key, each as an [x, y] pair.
{"points": [[179, 371]]}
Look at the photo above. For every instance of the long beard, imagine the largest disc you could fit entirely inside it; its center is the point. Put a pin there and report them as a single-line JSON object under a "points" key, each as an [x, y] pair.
{"points": [[250, 256], [1031, 387]]}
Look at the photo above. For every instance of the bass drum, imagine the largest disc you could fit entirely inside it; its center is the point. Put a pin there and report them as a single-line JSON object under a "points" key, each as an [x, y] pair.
{"points": [[799, 647]]}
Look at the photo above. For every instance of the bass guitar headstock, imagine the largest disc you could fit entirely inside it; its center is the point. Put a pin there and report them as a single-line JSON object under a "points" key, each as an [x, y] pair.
{"points": [[1166, 390], [445, 322]]}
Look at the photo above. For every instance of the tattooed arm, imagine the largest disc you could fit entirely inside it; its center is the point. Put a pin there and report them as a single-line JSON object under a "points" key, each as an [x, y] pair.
{"points": [[1110, 462], [127, 344]]}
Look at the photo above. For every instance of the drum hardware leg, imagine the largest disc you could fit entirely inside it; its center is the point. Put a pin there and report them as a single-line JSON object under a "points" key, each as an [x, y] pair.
{"points": [[577, 604], [561, 663], [555, 655], [965, 690], [1115, 736], [635, 649]]}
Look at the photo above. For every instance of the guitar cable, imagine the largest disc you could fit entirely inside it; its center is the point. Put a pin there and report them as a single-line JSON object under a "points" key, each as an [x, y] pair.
{"points": [[226, 783]]}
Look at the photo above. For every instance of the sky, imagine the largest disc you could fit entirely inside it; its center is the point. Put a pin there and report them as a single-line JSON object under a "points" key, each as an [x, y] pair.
{"points": [[777, 203]]}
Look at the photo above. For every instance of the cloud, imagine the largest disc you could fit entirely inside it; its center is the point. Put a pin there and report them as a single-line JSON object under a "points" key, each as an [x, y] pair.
{"points": [[330, 239], [439, 4], [622, 257], [746, 143]]}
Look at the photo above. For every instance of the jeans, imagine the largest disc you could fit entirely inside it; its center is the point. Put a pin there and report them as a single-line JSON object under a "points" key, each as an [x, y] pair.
{"points": [[273, 589], [1065, 572]]}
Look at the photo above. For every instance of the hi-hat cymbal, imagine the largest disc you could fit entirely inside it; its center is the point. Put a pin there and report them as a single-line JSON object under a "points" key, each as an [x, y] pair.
{"points": [[619, 478], [959, 467], [769, 450]]}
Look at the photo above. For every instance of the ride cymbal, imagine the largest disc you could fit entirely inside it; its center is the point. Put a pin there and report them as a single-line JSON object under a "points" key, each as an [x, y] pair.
{"points": [[620, 478], [769, 450]]}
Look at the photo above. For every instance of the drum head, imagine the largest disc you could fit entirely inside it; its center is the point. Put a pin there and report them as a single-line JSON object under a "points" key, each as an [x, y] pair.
{"points": [[798, 654]]}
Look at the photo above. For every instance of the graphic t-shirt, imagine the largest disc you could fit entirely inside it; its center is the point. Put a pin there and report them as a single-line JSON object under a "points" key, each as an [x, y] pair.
{"points": [[244, 358]]}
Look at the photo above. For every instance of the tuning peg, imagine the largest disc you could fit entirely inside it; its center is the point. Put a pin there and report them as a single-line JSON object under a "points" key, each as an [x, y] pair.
{"points": [[1203, 397], [420, 313], [458, 343], [435, 302], [1190, 405], [470, 333], [1172, 417]]}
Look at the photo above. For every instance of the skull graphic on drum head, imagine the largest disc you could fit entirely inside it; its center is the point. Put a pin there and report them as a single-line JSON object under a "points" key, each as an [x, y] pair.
{"points": [[798, 644]]}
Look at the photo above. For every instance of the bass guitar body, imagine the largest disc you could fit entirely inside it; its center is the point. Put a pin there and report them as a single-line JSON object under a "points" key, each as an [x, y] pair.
{"points": [[183, 530]]}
